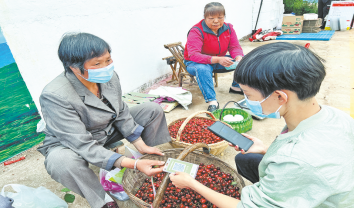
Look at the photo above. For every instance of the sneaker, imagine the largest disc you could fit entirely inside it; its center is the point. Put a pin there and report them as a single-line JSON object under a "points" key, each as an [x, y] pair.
{"points": [[213, 108], [111, 205]]}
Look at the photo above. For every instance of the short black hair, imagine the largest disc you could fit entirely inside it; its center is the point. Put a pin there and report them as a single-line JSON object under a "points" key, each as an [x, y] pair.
{"points": [[77, 48], [282, 65], [214, 8]]}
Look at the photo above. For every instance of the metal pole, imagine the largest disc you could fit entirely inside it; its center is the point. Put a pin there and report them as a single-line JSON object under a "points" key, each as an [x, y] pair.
{"points": [[255, 27]]}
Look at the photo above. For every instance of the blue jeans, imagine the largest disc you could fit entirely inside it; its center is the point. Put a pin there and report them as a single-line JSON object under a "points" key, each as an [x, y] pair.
{"points": [[204, 75], [247, 166]]}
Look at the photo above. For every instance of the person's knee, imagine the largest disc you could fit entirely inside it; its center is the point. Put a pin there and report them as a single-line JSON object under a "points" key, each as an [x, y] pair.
{"points": [[62, 163], [240, 159], [204, 69], [153, 107]]}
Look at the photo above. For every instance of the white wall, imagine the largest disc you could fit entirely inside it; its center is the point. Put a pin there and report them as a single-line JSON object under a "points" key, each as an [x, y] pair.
{"points": [[271, 14], [136, 31]]}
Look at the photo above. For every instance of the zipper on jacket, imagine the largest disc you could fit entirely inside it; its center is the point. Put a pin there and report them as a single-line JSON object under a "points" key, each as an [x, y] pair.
{"points": [[219, 46]]}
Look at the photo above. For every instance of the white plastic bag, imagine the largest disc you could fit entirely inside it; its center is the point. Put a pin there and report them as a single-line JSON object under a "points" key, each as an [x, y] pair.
{"points": [[27, 197], [130, 153], [40, 126]]}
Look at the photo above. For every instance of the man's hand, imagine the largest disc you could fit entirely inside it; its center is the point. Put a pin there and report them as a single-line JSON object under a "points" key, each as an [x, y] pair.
{"points": [[144, 149], [257, 147], [181, 180], [146, 166]]}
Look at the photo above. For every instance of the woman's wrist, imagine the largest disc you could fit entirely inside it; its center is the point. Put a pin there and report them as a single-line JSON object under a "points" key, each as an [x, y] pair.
{"points": [[140, 145], [264, 150], [127, 163], [215, 59], [194, 184]]}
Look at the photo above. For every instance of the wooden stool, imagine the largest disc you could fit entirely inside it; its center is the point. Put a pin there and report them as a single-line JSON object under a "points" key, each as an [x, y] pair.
{"points": [[177, 51]]}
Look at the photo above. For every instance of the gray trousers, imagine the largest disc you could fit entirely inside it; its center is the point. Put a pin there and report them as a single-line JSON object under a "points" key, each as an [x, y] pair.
{"points": [[70, 169]]}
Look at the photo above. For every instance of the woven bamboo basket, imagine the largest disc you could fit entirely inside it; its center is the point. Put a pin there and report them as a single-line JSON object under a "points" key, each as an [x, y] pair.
{"points": [[215, 148], [240, 126], [132, 180]]}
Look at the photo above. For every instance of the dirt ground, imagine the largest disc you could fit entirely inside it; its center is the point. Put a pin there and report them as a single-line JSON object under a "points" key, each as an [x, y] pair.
{"points": [[336, 91]]}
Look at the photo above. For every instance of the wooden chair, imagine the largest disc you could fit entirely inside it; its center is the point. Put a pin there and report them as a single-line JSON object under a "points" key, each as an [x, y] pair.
{"points": [[177, 51]]}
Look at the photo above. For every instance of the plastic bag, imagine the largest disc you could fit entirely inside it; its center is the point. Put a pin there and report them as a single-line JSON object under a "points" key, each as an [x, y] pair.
{"points": [[27, 197], [182, 96], [6, 202], [132, 153], [115, 189], [40, 126], [110, 185], [112, 180], [121, 196]]}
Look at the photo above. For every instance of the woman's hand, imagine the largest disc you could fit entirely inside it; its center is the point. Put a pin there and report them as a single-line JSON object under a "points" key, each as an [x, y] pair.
{"points": [[238, 58], [181, 179], [146, 166], [144, 149], [224, 61], [258, 147]]}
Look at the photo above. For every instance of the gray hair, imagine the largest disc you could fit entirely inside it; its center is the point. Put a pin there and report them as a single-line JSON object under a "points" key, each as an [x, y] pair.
{"points": [[214, 8], [77, 48]]}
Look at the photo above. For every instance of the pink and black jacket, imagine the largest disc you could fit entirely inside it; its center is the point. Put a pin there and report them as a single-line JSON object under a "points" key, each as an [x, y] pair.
{"points": [[202, 43]]}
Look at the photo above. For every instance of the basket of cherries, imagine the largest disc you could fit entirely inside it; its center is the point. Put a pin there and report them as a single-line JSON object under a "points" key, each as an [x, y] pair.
{"points": [[212, 172], [187, 131]]}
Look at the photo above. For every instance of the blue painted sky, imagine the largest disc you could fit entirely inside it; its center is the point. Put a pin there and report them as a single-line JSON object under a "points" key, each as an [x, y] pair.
{"points": [[6, 57], [2, 38]]}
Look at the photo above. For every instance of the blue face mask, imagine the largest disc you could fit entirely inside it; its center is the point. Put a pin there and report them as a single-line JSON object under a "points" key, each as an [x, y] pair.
{"points": [[256, 108], [101, 75]]}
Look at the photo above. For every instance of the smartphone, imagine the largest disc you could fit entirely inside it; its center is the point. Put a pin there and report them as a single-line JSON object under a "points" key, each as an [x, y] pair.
{"points": [[223, 131]]}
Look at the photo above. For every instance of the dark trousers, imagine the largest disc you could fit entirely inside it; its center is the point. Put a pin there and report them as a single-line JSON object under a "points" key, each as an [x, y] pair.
{"points": [[247, 166]]}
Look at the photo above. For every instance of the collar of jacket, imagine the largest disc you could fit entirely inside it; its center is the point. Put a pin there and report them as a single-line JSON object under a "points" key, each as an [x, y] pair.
{"points": [[86, 96], [208, 30]]}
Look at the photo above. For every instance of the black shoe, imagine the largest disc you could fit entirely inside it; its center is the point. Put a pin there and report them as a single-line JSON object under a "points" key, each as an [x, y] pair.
{"points": [[213, 108], [235, 92]]}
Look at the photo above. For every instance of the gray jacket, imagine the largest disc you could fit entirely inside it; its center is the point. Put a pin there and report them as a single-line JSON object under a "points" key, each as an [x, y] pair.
{"points": [[75, 118]]}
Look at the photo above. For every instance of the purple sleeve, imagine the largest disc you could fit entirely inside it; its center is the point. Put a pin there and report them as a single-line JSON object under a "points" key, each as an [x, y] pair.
{"points": [[195, 44], [234, 46]]}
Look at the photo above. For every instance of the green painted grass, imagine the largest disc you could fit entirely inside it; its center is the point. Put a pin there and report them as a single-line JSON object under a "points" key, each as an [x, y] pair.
{"points": [[18, 122]]}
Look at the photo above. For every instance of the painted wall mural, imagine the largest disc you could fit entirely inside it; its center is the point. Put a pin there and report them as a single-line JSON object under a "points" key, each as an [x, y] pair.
{"points": [[18, 113]]}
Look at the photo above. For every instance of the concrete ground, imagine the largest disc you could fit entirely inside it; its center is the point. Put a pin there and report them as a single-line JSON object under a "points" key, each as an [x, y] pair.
{"points": [[337, 91]]}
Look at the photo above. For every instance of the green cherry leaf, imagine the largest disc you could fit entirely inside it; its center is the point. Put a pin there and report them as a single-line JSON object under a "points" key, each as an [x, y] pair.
{"points": [[234, 183], [65, 190], [69, 198]]}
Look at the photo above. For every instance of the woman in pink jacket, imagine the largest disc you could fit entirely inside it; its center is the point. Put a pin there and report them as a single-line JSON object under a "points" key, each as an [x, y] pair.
{"points": [[205, 52]]}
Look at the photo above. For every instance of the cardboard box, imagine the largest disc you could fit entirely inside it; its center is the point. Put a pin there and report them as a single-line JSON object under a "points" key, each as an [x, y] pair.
{"points": [[292, 21], [291, 30]]}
